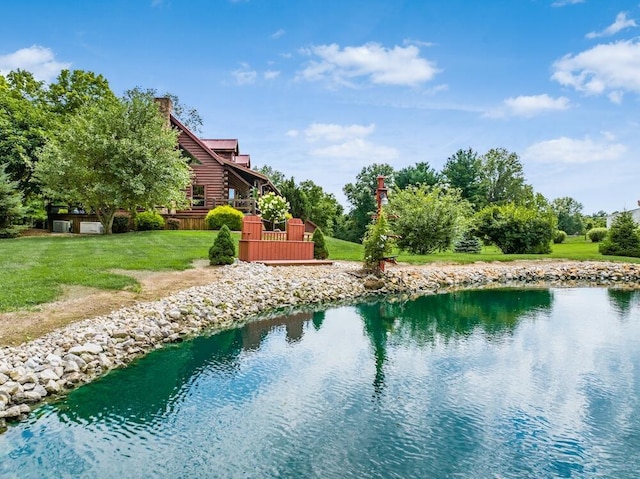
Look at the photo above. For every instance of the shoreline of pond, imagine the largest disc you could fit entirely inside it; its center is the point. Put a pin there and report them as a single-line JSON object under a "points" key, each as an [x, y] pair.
{"points": [[54, 364]]}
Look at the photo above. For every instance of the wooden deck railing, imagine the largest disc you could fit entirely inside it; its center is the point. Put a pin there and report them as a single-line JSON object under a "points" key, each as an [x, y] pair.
{"points": [[281, 236], [246, 205], [258, 245]]}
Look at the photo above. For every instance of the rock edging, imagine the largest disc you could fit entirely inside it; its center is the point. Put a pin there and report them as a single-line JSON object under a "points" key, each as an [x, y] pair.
{"points": [[52, 365]]}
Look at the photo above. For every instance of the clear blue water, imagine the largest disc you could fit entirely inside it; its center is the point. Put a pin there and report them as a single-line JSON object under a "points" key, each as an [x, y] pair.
{"points": [[482, 384]]}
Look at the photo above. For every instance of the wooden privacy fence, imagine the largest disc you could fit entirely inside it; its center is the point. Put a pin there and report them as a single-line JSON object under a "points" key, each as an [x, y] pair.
{"points": [[258, 245]]}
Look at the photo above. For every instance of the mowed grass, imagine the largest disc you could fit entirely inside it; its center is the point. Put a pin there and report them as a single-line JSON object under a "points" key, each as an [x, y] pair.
{"points": [[34, 270]]}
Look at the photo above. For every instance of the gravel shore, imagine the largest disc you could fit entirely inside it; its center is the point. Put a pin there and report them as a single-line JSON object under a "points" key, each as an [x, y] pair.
{"points": [[52, 365]]}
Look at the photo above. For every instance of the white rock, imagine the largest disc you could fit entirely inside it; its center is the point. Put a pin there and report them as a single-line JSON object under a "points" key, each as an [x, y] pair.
{"points": [[91, 348], [52, 387], [47, 375]]}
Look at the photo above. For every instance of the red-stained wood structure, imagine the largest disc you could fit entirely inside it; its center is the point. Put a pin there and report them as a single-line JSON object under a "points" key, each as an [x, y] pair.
{"points": [[259, 245]]}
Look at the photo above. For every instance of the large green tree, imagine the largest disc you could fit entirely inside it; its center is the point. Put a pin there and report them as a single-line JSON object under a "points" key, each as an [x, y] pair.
{"points": [[25, 126], [76, 88], [416, 175], [32, 112], [463, 170], [308, 200], [569, 213], [276, 177], [189, 116], [362, 196], [502, 177], [324, 209], [112, 154]]}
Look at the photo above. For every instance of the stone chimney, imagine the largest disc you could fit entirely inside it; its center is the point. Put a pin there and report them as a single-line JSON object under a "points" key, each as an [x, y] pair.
{"points": [[166, 107]]}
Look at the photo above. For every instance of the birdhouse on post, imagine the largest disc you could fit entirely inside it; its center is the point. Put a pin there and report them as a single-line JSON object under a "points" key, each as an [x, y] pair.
{"points": [[381, 194]]}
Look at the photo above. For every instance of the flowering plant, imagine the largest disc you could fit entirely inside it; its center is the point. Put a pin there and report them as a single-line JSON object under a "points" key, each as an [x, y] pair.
{"points": [[273, 208]]}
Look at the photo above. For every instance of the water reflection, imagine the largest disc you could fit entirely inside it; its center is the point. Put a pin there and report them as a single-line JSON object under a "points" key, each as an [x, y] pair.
{"points": [[428, 320], [149, 389], [494, 383], [623, 300]]}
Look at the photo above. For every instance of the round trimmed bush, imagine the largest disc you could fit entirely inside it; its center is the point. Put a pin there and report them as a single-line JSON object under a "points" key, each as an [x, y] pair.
{"points": [[559, 236], [597, 234], [224, 215], [149, 220]]}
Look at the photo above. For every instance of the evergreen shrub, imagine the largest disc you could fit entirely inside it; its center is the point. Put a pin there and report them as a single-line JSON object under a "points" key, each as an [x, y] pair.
{"points": [[223, 250], [224, 215], [623, 238], [378, 243], [468, 244], [319, 245], [149, 220]]}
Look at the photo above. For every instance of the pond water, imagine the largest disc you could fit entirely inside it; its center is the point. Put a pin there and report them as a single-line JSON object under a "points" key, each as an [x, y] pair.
{"points": [[490, 383]]}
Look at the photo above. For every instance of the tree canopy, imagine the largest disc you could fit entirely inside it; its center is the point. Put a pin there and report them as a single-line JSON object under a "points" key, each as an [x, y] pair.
{"points": [[361, 195], [569, 213], [502, 177], [116, 153]]}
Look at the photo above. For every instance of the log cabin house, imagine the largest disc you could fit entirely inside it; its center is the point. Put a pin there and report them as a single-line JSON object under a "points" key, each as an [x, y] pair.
{"points": [[221, 176]]}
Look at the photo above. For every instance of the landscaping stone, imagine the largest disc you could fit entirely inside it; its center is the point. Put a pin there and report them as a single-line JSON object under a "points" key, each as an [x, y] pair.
{"points": [[87, 349]]}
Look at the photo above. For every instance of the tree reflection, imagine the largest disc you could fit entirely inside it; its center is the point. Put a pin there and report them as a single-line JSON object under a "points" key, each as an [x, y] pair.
{"points": [[429, 320], [622, 300], [146, 389]]}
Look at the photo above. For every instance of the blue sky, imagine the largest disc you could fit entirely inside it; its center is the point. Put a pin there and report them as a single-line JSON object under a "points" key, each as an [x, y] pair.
{"points": [[320, 88]]}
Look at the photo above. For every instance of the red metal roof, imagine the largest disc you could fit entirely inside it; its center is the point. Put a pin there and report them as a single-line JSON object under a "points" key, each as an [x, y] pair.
{"points": [[243, 160], [214, 144]]}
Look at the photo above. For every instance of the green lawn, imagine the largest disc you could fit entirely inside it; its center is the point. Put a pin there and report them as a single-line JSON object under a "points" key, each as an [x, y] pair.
{"points": [[34, 269]]}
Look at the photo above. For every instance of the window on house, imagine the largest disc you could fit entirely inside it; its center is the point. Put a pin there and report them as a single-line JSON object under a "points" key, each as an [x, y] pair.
{"points": [[197, 196], [232, 194]]}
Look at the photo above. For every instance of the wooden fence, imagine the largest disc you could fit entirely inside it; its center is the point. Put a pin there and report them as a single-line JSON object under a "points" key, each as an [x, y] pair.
{"points": [[259, 245]]}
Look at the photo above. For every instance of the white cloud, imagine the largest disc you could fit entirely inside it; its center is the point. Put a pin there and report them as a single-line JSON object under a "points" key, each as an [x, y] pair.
{"points": [[40, 61], [620, 24], [575, 151], [277, 34], [616, 97], [344, 141], [528, 106], [329, 132], [419, 43], [562, 3], [271, 74], [245, 75], [358, 149], [606, 67], [382, 66]]}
